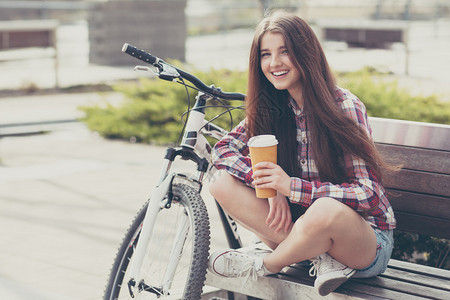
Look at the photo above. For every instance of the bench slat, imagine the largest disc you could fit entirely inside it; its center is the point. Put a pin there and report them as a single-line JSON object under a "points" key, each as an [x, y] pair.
{"points": [[270, 287], [393, 284], [417, 279], [436, 161], [298, 275], [410, 133], [419, 269], [282, 287], [25, 39], [418, 181], [417, 203], [380, 285], [423, 225]]}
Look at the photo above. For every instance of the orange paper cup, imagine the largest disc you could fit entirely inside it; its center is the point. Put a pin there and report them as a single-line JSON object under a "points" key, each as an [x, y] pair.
{"points": [[263, 148]]}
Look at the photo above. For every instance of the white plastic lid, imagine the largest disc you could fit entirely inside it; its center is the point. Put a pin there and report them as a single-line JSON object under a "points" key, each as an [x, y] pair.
{"points": [[264, 140]]}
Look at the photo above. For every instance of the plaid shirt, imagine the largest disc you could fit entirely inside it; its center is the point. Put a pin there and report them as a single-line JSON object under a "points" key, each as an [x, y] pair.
{"points": [[363, 192]]}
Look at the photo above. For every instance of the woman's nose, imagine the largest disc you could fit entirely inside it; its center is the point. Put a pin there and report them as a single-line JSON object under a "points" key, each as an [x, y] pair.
{"points": [[275, 61]]}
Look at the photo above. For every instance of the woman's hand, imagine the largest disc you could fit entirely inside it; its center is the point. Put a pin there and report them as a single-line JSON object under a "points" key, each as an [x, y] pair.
{"points": [[279, 217], [270, 175]]}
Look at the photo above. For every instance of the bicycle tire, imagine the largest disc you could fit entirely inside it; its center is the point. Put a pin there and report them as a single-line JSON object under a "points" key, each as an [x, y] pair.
{"points": [[193, 271]]}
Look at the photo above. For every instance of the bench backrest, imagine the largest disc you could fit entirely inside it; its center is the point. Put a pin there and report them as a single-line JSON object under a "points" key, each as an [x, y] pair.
{"points": [[28, 33], [367, 33], [420, 191]]}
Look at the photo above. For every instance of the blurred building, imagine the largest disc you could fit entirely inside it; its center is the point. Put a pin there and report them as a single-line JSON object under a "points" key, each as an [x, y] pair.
{"points": [[158, 26], [161, 26]]}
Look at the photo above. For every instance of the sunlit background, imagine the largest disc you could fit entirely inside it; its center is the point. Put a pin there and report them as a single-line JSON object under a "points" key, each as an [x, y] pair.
{"points": [[89, 35]]}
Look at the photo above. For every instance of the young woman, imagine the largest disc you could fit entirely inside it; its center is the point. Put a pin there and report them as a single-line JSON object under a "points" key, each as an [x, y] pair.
{"points": [[330, 205]]}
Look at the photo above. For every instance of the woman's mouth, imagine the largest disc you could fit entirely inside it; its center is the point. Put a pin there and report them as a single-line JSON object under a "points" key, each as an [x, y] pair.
{"points": [[279, 73]]}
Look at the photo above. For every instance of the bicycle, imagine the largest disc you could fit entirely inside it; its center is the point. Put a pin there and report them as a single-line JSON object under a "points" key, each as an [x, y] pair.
{"points": [[165, 250]]}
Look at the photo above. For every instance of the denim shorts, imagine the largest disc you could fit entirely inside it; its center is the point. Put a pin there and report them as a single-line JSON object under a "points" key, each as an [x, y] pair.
{"points": [[385, 243]]}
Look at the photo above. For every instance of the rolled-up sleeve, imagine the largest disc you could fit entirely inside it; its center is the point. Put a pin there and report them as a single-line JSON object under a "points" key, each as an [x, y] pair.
{"points": [[232, 155], [361, 192]]}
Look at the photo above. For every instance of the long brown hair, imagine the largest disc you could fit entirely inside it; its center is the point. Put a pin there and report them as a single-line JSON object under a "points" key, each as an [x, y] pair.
{"points": [[332, 133]]}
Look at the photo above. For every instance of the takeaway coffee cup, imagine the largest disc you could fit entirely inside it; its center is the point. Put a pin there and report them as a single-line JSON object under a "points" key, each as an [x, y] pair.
{"points": [[263, 148]]}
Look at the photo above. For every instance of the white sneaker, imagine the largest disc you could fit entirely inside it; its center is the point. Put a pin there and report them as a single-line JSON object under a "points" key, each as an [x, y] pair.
{"points": [[239, 263], [330, 273]]}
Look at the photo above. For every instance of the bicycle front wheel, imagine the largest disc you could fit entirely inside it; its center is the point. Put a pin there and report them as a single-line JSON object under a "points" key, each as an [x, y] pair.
{"points": [[191, 269]]}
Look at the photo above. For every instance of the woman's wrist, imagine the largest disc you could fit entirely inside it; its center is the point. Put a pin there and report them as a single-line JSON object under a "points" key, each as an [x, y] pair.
{"points": [[286, 189]]}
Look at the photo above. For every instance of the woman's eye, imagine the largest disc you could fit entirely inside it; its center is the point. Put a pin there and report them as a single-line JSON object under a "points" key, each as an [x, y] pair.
{"points": [[265, 54]]}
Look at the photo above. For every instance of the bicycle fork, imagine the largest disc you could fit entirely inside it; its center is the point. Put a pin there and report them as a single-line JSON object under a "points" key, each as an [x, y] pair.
{"points": [[161, 198], [191, 140], [156, 203]]}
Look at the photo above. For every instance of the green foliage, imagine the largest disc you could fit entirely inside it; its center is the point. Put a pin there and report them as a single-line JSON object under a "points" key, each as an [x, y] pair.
{"points": [[146, 116], [153, 109], [422, 249], [384, 98]]}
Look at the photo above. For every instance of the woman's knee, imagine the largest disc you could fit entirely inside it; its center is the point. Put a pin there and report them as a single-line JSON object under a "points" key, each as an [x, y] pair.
{"points": [[323, 214], [221, 185]]}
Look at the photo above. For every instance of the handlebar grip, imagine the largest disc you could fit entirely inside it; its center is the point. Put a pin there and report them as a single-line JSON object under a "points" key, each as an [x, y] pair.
{"points": [[162, 65], [139, 54]]}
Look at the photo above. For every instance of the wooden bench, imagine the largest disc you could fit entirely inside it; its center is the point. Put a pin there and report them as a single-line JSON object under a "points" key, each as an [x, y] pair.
{"points": [[366, 33], [30, 34], [420, 196]]}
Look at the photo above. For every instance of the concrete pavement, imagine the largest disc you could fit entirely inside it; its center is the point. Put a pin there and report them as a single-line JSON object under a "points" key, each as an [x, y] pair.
{"points": [[66, 199]]}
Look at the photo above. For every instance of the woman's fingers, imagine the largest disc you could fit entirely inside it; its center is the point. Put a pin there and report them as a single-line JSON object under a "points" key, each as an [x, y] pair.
{"points": [[288, 221], [279, 217], [265, 165], [271, 215], [274, 218], [272, 177]]}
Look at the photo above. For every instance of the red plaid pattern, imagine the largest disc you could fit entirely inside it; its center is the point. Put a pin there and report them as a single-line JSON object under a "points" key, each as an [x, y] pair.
{"points": [[363, 192]]}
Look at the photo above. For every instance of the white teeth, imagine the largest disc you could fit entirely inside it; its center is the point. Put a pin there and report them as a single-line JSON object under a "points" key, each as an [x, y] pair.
{"points": [[279, 73]]}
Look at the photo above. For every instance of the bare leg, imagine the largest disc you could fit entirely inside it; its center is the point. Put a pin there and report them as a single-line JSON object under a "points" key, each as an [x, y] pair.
{"points": [[327, 226], [244, 207]]}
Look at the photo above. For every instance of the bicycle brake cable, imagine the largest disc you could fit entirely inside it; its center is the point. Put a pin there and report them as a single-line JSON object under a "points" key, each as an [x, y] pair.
{"points": [[229, 109], [188, 110]]}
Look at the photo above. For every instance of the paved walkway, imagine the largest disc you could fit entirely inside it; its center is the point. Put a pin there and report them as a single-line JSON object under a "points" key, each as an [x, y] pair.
{"points": [[66, 200]]}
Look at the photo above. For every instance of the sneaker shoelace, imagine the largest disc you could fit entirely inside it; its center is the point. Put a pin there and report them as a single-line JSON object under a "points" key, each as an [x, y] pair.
{"points": [[249, 271], [248, 268], [314, 266], [323, 264]]}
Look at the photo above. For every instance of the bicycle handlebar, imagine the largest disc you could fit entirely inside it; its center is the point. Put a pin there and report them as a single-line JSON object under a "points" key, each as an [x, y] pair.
{"points": [[162, 66]]}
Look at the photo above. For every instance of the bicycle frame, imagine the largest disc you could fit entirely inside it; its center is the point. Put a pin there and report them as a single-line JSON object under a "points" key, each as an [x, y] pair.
{"points": [[195, 147]]}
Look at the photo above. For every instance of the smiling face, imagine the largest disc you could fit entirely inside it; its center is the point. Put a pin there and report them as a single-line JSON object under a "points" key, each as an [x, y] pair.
{"points": [[277, 66]]}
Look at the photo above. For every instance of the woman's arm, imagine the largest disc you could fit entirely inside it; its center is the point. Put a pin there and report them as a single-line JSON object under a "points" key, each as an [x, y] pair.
{"points": [[362, 192], [232, 155]]}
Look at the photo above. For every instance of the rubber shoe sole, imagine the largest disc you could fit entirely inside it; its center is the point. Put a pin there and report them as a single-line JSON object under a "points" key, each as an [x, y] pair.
{"points": [[327, 283]]}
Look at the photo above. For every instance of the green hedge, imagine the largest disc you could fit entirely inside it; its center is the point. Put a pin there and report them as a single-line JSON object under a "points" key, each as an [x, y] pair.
{"points": [[153, 108], [384, 98], [421, 249]]}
